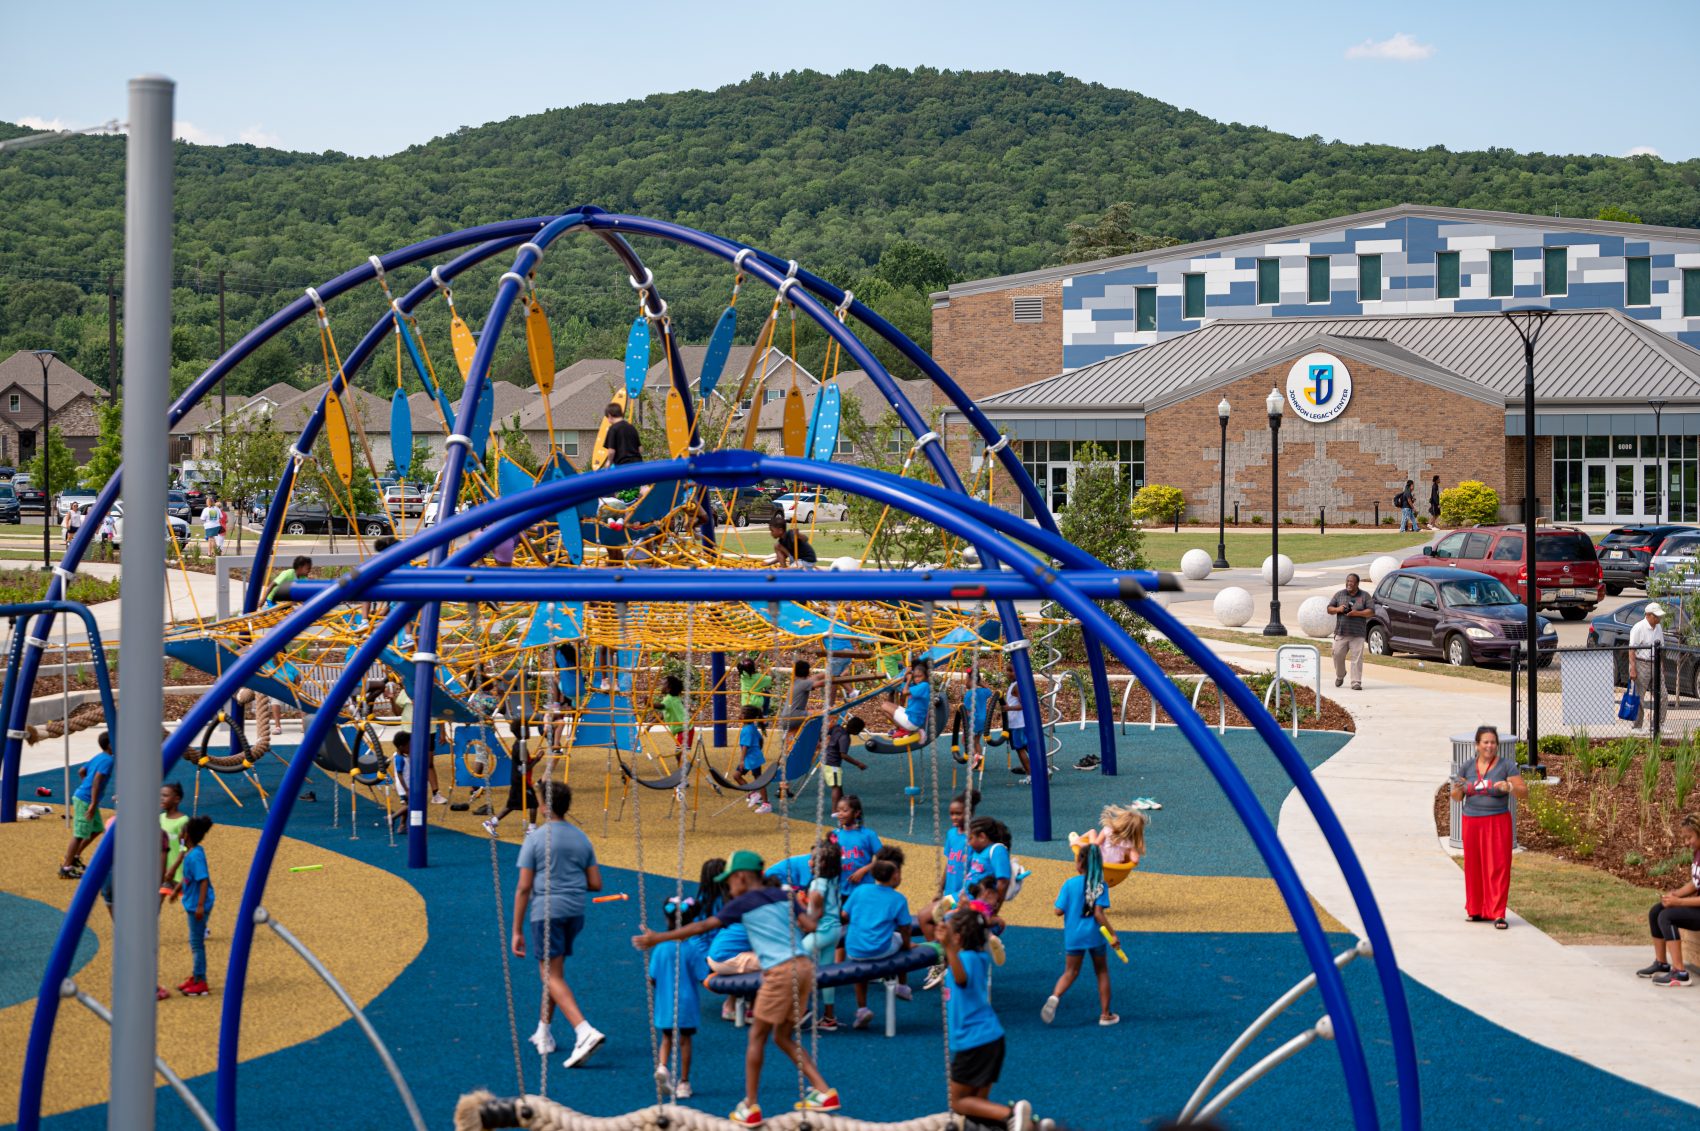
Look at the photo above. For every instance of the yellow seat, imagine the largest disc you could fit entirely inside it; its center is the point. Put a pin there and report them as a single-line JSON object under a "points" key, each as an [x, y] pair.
{"points": [[1113, 873]]}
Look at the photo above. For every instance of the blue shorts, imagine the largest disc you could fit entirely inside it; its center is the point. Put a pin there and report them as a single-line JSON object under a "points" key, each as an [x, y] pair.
{"points": [[1100, 949], [1018, 737], [551, 937]]}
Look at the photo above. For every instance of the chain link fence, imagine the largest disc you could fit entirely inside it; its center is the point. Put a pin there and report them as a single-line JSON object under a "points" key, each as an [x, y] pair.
{"points": [[1581, 691]]}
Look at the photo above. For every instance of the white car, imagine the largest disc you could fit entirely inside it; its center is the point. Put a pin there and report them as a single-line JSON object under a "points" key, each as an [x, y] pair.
{"points": [[802, 507], [178, 529], [66, 499]]}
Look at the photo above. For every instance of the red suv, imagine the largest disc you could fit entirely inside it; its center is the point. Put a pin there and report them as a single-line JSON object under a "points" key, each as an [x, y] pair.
{"points": [[1566, 563]]}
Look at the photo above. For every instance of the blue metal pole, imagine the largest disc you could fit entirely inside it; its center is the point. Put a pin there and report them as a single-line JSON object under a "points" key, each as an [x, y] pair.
{"points": [[11, 773], [717, 678]]}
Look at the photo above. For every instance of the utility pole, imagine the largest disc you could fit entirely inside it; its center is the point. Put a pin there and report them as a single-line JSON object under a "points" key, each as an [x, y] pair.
{"points": [[111, 340]]}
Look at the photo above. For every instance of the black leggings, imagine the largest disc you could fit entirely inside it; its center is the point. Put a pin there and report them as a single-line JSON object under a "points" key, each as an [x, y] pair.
{"points": [[1665, 921]]}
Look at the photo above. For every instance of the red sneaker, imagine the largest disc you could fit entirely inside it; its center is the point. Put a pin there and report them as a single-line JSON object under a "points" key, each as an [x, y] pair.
{"points": [[196, 987], [160, 993]]}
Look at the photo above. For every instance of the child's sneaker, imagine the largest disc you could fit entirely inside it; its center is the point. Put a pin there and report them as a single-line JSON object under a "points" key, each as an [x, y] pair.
{"points": [[864, 1017], [543, 1041], [1020, 1116], [1672, 979], [439, 799], [196, 987], [726, 1013], [160, 993], [828, 1025], [753, 800], [586, 1043], [1048, 1012], [904, 993], [490, 826], [816, 1100], [764, 807], [746, 1114], [684, 1090], [663, 1077], [994, 947], [934, 977]]}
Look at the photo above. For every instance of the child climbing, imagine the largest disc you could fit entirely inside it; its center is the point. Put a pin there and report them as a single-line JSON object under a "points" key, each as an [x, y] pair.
{"points": [[877, 923], [776, 928], [796, 713], [673, 713], [752, 760], [975, 717], [755, 688], [858, 844], [198, 901], [85, 807], [676, 969], [520, 793], [974, 1034], [1086, 932], [1015, 723]]}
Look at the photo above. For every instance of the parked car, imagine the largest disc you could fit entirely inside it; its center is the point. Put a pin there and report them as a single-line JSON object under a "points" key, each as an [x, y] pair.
{"points": [[805, 506], [1567, 565], [30, 497], [310, 518], [76, 497], [177, 504], [1626, 552], [1460, 615], [1611, 630], [10, 512], [176, 527], [8, 472], [1676, 553], [750, 505], [404, 498]]}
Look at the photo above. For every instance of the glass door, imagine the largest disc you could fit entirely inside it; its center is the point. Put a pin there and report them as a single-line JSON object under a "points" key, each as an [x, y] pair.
{"points": [[1059, 487], [1651, 505], [1594, 500], [1626, 488]]}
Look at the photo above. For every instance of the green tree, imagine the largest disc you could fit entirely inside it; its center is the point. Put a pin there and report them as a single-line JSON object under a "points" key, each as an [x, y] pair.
{"points": [[1097, 520], [907, 264], [896, 540], [418, 463], [1621, 215], [515, 446], [1113, 234], [251, 461], [61, 463], [108, 451]]}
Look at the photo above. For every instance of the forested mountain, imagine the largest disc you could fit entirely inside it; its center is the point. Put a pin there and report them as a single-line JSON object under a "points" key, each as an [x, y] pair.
{"points": [[986, 168]]}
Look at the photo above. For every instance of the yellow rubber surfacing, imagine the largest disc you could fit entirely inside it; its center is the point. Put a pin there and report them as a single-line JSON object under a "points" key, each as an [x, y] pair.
{"points": [[363, 922]]}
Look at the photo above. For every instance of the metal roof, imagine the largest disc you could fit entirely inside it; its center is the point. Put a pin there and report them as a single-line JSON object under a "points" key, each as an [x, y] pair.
{"points": [[1315, 227], [1584, 356]]}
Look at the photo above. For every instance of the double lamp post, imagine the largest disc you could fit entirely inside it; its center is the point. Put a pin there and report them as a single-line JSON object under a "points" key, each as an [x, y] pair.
{"points": [[1275, 404]]}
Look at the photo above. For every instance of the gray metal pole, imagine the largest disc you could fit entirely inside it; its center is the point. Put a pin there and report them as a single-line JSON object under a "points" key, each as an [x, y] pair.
{"points": [[147, 373]]}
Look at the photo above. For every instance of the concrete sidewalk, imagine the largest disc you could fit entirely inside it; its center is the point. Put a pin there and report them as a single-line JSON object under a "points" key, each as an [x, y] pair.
{"points": [[1582, 1001]]}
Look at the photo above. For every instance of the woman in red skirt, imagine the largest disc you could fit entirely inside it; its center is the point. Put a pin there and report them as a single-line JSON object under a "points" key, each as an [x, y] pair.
{"points": [[1486, 788]]}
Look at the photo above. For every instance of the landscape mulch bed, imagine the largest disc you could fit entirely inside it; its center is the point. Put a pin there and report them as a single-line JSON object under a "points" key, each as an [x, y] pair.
{"points": [[1589, 819]]}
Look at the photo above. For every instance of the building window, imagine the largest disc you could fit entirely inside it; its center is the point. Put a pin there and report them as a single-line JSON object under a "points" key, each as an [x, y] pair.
{"points": [[1555, 271], [1499, 273], [1369, 278], [846, 446], [1054, 463], [1029, 308], [1316, 285], [1446, 275], [1638, 282], [1268, 282], [569, 443], [14, 402], [1690, 293], [1145, 308], [1192, 287]]}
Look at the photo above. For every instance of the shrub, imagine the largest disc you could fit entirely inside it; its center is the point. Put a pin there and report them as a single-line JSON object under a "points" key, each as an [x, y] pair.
{"points": [[1557, 821], [1622, 754], [1583, 749], [1684, 772], [1471, 503], [1158, 503], [1554, 744]]}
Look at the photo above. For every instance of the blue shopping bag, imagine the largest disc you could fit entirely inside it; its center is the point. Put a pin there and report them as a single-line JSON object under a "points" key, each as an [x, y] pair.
{"points": [[1630, 707]]}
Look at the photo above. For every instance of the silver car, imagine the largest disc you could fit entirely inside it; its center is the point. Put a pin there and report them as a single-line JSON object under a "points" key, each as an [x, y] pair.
{"points": [[1680, 554]]}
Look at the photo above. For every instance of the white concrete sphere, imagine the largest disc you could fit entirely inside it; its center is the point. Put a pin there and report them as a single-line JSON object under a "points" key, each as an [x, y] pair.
{"points": [[844, 565], [1381, 567], [1286, 570], [1233, 606], [1314, 617], [1196, 564]]}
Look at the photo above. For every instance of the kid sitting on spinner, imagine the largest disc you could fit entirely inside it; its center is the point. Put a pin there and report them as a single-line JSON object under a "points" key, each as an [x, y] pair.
{"points": [[676, 970], [877, 924], [858, 844], [913, 713], [1081, 906]]}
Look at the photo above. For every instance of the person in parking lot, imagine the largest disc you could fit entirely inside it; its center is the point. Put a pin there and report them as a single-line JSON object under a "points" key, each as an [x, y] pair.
{"points": [[1351, 609], [1646, 635], [1406, 501], [1434, 503]]}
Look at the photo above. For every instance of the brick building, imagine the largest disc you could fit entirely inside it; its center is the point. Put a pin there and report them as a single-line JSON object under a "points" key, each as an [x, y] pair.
{"points": [[71, 401], [1133, 354]]}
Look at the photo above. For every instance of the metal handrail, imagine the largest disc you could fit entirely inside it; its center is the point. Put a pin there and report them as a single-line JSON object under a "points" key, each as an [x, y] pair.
{"points": [[69, 988]]}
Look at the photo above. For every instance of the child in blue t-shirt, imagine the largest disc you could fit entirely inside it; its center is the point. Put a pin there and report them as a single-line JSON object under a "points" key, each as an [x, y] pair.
{"points": [[1081, 903], [975, 715], [751, 759], [857, 844], [973, 1031], [676, 969], [197, 902], [877, 923], [914, 710], [954, 882], [86, 823]]}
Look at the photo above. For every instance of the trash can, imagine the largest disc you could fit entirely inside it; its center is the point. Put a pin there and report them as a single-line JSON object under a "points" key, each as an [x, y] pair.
{"points": [[1463, 753]]}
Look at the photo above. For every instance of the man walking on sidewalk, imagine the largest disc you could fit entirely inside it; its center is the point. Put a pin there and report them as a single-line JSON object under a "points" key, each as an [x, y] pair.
{"points": [[1351, 610], [1646, 635]]}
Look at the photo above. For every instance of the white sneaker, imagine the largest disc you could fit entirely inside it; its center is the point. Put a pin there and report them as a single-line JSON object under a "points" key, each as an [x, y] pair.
{"points": [[934, 977], [1048, 1012], [543, 1041], [764, 808], [530, 827], [684, 1090], [490, 826], [586, 1043], [664, 1077], [439, 799]]}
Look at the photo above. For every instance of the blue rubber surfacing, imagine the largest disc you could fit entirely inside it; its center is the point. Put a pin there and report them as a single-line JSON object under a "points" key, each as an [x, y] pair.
{"points": [[1182, 999]]}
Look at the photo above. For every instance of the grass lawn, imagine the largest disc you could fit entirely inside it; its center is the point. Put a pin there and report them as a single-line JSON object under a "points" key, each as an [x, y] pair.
{"points": [[1577, 904], [1247, 550]]}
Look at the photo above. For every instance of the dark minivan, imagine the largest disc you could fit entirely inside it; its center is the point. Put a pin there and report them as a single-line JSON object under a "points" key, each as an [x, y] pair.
{"points": [[1626, 552], [1459, 615]]}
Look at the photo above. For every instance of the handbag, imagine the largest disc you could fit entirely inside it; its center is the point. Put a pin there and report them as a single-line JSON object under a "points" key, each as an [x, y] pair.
{"points": [[1630, 706]]}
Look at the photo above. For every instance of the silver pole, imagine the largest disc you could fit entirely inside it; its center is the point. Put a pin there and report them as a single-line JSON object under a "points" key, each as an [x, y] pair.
{"points": [[141, 657]]}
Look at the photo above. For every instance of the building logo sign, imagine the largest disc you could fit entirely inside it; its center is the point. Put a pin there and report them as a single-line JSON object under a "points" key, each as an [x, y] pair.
{"points": [[1319, 387]]}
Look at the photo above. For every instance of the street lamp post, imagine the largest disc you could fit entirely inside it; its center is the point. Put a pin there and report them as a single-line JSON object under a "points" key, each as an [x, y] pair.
{"points": [[1221, 561], [1528, 321], [1276, 404], [46, 358], [1658, 408]]}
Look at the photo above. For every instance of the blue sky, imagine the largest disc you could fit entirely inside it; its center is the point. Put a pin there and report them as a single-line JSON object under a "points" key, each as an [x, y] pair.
{"points": [[1557, 76]]}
